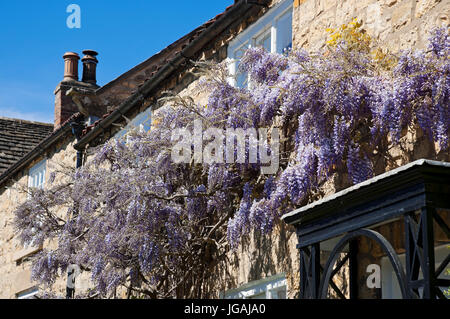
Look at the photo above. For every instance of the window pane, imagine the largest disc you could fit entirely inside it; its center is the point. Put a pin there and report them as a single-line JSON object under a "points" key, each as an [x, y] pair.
{"points": [[390, 288], [265, 41], [142, 122], [241, 77], [284, 32], [279, 293], [258, 296], [272, 288], [263, 33], [36, 176]]}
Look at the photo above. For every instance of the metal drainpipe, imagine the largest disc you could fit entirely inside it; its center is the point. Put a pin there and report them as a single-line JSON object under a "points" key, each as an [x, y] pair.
{"points": [[79, 159], [77, 129]]}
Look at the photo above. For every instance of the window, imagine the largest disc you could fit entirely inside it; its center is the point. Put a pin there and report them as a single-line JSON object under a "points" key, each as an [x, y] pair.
{"points": [[36, 176], [284, 33], [273, 32], [36, 179], [265, 40], [269, 288], [241, 77], [142, 121], [390, 288], [28, 294]]}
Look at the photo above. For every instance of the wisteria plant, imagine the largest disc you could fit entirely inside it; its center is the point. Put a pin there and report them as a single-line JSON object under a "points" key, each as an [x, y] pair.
{"points": [[135, 219]]}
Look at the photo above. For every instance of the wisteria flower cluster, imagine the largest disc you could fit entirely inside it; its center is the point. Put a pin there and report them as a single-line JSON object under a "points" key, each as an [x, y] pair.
{"points": [[136, 220]]}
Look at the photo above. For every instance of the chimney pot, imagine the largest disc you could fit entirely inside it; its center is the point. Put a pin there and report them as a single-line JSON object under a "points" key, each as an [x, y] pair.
{"points": [[89, 66], [71, 66]]}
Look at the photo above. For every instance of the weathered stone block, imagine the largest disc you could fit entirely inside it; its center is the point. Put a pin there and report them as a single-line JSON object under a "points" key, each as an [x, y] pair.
{"points": [[22, 281], [377, 24], [439, 16], [25, 252], [317, 34], [325, 5], [307, 11], [402, 14], [362, 4], [409, 39], [424, 6], [388, 3], [345, 11]]}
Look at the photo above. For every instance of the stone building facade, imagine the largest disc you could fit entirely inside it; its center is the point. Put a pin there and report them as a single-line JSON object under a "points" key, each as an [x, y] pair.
{"points": [[394, 24], [87, 115]]}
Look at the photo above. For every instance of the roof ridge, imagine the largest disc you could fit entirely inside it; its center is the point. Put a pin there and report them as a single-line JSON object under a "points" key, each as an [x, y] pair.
{"points": [[165, 53], [25, 121]]}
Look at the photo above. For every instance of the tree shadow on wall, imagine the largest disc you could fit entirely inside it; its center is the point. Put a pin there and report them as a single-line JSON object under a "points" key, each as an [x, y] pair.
{"points": [[261, 256]]}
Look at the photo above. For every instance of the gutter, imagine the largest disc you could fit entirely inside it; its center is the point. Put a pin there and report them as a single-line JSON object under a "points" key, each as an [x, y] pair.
{"points": [[184, 56]]}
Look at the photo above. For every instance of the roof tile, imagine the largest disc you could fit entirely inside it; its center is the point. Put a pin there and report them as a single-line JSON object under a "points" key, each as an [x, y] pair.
{"points": [[18, 137]]}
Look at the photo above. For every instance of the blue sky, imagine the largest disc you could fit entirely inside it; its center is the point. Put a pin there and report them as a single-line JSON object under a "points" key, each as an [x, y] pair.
{"points": [[34, 36]]}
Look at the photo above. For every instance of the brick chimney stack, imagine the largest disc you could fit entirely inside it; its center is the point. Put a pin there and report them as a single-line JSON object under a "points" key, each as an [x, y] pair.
{"points": [[65, 106], [89, 66]]}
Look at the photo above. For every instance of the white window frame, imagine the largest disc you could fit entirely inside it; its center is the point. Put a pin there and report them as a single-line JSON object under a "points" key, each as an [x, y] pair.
{"points": [[36, 179], [37, 171], [267, 287], [142, 121], [249, 36], [267, 32], [28, 294]]}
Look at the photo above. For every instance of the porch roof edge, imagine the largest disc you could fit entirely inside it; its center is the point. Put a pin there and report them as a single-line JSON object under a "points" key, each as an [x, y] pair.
{"points": [[294, 216]]}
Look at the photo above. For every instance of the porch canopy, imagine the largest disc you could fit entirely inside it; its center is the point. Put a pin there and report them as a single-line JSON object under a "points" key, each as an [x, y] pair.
{"points": [[404, 212]]}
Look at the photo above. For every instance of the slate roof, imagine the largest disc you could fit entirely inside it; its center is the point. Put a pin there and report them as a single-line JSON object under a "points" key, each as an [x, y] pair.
{"points": [[18, 137], [17, 151]]}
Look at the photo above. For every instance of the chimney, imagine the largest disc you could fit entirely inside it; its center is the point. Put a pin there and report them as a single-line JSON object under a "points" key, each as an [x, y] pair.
{"points": [[89, 66], [65, 106], [71, 66]]}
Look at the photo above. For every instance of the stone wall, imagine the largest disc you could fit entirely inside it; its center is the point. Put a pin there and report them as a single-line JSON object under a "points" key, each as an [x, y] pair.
{"points": [[394, 24], [15, 264], [263, 256], [10, 273]]}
